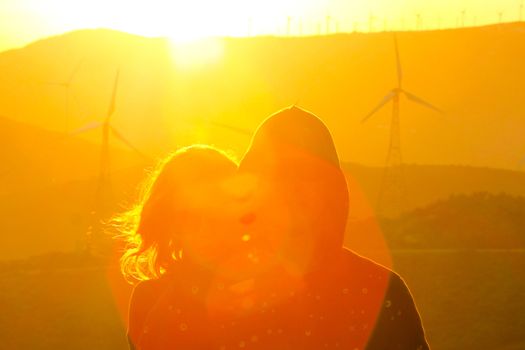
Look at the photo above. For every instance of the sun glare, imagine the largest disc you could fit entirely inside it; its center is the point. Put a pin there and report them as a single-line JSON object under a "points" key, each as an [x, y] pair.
{"points": [[184, 21], [193, 21], [181, 21], [196, 52]]}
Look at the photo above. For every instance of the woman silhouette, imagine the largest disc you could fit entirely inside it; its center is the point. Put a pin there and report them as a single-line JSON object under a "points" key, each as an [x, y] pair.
{"points": [[182, 245]]}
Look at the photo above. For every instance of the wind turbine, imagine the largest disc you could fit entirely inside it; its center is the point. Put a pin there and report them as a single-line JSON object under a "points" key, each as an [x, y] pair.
{"points": [[66, 85], [392, 185], [371, 20], [250, 26], [102, 194], [107, 129], [419, 22]]}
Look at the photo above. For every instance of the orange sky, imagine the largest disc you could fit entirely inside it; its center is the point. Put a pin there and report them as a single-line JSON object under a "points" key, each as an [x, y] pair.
{"points": [[23, 21]]}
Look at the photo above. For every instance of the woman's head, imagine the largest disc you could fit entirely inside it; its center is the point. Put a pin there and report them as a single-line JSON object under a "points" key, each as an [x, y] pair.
{"points": [[180, 213], [294, 161]]}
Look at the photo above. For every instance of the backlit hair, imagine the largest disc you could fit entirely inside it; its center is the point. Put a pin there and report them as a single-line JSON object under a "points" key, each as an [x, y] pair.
{"points": [[148, 228]]}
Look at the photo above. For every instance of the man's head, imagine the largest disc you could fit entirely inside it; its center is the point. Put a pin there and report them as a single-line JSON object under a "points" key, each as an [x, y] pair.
{"points": [[301, 197]]}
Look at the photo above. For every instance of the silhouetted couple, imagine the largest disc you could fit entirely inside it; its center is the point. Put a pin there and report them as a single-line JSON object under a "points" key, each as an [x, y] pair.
{"points": [[252, 257]]}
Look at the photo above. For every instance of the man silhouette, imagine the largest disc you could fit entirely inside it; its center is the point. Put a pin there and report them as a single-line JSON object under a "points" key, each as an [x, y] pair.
{"points": [[316, 293]]}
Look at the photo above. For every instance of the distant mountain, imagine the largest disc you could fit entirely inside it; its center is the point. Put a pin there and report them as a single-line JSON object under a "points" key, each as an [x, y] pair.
{"points": [[425, 222], [49, 185], [478, 221], [475, 74], [426, 184], [48, 180], [34, 158]]}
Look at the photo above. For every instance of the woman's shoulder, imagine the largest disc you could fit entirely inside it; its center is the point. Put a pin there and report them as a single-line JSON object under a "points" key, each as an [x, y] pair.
{"points": [[149, 289], [143, 287]]}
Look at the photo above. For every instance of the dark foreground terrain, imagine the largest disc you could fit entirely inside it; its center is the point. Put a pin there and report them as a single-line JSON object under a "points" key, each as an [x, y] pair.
{"points": [[468, 300]]}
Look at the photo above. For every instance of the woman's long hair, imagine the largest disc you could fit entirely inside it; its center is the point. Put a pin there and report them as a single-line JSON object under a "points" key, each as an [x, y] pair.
{"points": [[149, 228]]}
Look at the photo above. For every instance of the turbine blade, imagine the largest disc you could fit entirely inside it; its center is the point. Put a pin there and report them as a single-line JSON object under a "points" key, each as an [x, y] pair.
{"points": [[111, 108], [87, 127], [74, 72], [55, 83], [521, 163], [67, 83], [235, 129], [399, 67], [422, 102], [79, 106], [119, 136], [383, 102]]}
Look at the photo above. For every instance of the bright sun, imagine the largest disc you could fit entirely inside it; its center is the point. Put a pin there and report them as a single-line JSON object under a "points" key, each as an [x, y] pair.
{"points": [[182, 21], [189, 20], [193, 26], [23, 21], [197, 52]]}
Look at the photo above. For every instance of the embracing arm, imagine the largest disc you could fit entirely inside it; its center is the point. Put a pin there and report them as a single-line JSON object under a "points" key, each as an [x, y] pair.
{"points": [[130, 343], [140, 303]]}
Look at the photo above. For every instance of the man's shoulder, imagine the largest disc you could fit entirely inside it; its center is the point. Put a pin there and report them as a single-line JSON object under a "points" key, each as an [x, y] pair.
{"points": [[360, 265]]}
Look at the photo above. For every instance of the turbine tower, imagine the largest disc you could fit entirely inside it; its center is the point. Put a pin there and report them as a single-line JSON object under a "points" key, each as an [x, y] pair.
{"points": [[103, 196], [392, 192]]}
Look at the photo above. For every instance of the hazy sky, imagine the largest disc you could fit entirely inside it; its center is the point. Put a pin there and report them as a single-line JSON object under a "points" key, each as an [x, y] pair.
{"points": [[22, 21]]}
